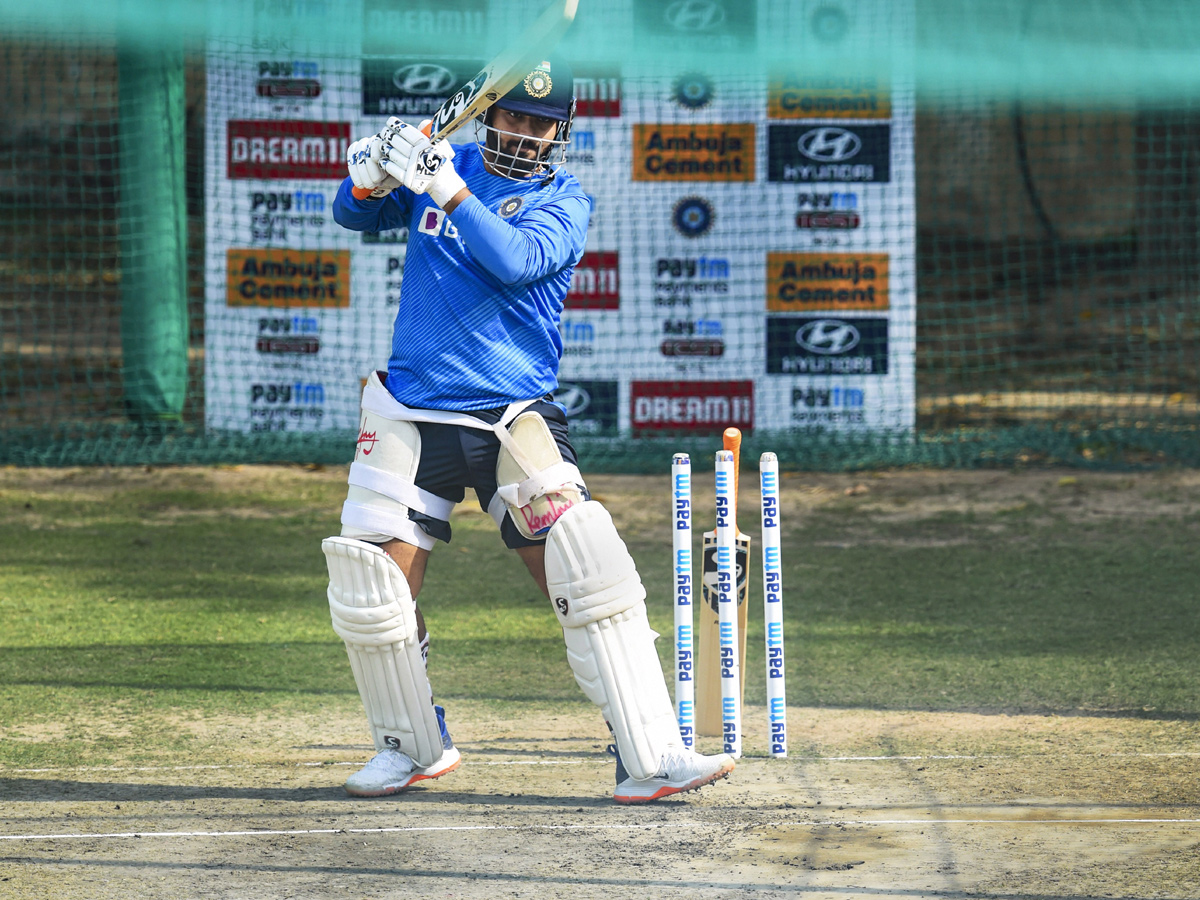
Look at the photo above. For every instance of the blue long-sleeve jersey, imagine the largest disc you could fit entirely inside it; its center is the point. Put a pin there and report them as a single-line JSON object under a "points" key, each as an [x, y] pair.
{"points": [[483, 289]]}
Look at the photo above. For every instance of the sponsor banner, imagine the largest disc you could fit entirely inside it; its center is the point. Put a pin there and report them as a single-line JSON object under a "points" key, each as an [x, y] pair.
{"points": [[828, 345], [582, 150], [411, 86], [277, 217], [693, 338], [794, 96], [291, 278], [288, 79], [839, 219], [276, 404], [595, 283], [578, 335], [831, 403], [827, 281], [695, 26], [591, 406], [686, 280], [719, 152], [699, 406], [819, 153], [279, 148], [597, 92], [828, 209], [417, 25], [280, 334]]}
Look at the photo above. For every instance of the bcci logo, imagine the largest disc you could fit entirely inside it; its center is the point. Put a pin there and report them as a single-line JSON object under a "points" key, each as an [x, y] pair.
{"points": [[693, 91], [509, 207], [693, 217], [538, 83]]}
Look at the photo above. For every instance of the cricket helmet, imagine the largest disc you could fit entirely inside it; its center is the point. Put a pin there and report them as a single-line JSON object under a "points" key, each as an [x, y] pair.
{"points": [[548, 92]]}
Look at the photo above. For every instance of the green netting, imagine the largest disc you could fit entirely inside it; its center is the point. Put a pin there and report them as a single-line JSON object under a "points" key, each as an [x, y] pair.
{"points": [[1039, 224]]}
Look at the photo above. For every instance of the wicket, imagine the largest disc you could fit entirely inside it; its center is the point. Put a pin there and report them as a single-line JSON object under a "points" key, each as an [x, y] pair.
{"points": [[731, 679], [768, 473], [685, 659], [681, 494]]}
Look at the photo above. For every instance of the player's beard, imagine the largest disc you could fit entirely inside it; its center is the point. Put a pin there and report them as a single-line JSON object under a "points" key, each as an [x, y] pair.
{"points": [[514, 155]]}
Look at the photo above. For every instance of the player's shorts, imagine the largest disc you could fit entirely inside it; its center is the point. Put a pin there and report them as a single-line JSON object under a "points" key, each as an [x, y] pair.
{"points": [[454, 457]]}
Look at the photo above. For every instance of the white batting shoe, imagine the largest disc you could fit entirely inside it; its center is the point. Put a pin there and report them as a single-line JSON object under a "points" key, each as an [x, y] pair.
{"points": [[680, 771], [391, 771]]}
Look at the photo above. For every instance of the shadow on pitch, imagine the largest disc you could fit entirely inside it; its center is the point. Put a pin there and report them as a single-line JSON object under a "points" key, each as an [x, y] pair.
{"points": [[39, 790]]}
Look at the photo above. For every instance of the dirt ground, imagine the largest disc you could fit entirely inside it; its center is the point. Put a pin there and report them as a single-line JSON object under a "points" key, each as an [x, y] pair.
{"points": [[869, 803], [976, 806]]}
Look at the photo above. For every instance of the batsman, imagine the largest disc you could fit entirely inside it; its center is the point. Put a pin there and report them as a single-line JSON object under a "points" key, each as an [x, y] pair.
{"points": [[495, 229]]}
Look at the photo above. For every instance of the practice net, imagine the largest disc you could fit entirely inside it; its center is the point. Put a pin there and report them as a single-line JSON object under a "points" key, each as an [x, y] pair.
{"points": [[867, 233]]}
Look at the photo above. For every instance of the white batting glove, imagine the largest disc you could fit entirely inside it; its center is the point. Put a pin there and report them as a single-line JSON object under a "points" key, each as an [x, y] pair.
{"points": [[363, 159], [421, 165]]}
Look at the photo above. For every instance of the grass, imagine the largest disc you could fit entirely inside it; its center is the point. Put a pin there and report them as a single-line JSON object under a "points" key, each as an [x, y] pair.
{"points": [[142, 598]]}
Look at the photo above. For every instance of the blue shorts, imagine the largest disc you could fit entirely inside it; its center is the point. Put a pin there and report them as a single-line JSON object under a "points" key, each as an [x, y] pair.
{"points": [[454, 458]]}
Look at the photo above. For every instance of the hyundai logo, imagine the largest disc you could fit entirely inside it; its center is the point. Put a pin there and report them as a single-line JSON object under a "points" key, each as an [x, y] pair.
{"points": [[573, 398], [695, 15], [424, 79], [829, 144], [828, 336]]}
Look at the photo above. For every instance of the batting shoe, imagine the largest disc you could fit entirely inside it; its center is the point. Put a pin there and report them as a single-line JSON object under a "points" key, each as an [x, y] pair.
{"points": [[391, 771], [679, 772]]}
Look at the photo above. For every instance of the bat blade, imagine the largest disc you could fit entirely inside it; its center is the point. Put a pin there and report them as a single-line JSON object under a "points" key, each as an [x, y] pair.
{"points": [[506, 71], [708, 677]]}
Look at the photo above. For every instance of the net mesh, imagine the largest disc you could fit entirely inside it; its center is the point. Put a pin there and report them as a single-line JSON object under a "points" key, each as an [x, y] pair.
{"points": [[1032, 244]]}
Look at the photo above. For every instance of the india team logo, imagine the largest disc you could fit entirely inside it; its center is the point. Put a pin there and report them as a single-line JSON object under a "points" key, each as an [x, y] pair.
{"points": [[538, 83], [509, 207], [693, 216]]}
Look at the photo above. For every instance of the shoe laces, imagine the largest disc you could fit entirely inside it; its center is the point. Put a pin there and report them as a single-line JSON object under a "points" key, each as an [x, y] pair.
{"points": [[674, 760], [391, 759]]}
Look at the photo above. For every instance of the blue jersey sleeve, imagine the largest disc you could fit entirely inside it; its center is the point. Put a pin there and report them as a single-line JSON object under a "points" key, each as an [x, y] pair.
{"points": [[548, 238], [371, 215]]}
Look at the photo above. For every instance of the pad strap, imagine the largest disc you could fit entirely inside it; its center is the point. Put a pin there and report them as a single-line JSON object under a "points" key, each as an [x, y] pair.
{"points": [[400, 490], [379, 400]]}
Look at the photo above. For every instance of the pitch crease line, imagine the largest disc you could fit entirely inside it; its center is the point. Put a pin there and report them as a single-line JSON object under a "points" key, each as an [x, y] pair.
{"points": [[647, 826], [299, 765]]}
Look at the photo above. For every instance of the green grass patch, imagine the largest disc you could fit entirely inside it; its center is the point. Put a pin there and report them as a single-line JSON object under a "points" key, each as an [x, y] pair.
{"points": [[195, 599]]}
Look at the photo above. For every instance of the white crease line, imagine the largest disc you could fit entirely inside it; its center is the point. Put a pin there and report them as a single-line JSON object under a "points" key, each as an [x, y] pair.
{"points": [[648, 826], [301, 765]]}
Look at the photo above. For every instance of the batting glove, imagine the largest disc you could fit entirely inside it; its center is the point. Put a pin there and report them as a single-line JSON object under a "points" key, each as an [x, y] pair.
{"points": [[421, 165], [363, 159]]}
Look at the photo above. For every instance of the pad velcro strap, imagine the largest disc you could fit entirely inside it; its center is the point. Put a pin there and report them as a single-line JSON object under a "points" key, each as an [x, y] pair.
{"points": [[552, 478], [400, 490]]}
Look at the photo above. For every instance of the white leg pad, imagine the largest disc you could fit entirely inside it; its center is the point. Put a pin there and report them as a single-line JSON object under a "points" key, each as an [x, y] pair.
{"points": [[600, 602], [374, 613]]}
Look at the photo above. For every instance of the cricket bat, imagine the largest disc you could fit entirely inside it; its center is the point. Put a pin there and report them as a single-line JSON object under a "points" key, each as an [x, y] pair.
{"points": [[506, 71], [708, 650]]}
